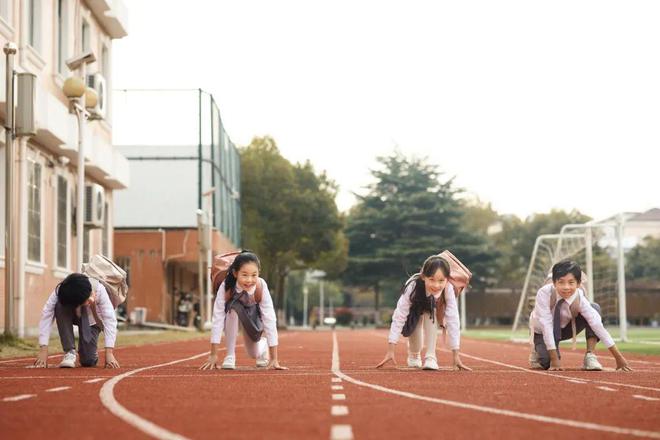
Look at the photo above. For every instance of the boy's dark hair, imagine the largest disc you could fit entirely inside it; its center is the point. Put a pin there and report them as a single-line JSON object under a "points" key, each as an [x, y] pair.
{"points": [[564, 267], [245, 256], [74, 290]]}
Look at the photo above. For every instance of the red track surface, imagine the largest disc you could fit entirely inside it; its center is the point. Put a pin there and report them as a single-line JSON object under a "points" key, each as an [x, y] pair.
{"points": [[178, 399]]}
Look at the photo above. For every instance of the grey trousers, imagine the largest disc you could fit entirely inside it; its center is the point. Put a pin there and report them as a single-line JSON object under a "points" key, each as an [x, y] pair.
{"points": [[566, 333], [66, 318]]}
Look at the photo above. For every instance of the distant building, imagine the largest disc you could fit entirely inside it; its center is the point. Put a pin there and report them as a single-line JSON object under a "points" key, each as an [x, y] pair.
{"points": [[47, 33], [156, 234]]}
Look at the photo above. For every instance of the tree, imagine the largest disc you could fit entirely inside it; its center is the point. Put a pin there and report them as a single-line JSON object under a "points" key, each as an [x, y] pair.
{"points": [[643, 261], [407, 215], [290, 218]]}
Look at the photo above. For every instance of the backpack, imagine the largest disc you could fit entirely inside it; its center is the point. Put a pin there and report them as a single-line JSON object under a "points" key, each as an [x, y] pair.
{"points": [[101, 269], [219, 271]]}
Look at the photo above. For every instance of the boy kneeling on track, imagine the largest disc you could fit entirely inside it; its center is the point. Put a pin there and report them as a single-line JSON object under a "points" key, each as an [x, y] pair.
{"points": [[73, 303], [561, 312]]}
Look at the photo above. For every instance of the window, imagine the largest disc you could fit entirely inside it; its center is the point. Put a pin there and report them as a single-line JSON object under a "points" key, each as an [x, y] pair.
{"points": [[86, 44], [62, 229], [34, 211], [5, 10], [34, 23], [62, 35], [106, 231], [86, 243]]}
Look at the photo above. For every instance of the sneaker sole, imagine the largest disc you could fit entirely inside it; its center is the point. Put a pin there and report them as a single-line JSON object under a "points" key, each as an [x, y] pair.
{"points": [[593, 369], [228, 367], [66, 366], [430, 369]]}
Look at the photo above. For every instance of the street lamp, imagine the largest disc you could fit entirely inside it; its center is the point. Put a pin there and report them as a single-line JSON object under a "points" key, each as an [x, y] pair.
{"points": [[76, 91]]}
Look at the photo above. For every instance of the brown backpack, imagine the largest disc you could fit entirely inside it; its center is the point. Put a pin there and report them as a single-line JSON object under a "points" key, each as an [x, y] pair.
{"points": [[219, 271]]}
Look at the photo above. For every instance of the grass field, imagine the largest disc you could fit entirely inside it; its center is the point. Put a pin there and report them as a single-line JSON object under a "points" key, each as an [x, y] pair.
{"points": [[29, 346], [643, 340]]}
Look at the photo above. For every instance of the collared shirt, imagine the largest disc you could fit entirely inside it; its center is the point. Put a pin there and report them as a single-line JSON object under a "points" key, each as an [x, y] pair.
{"points": [[103, 307], [451, 315], [265, 306], [542, 316]]}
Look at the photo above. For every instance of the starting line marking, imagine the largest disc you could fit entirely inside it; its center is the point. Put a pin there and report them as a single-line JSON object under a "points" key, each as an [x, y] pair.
{"points": [[341, 432], [339, 397], [19, 397], [98, 379], [337, 387], [56, 389], [639, 396], [487, 409]]}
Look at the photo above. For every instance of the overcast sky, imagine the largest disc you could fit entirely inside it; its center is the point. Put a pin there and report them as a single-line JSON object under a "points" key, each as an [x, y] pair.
{"points": [[531, 105]]}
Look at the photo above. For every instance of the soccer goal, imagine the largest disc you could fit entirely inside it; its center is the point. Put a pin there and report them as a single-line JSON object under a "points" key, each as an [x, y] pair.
{"points": [[598, 248]]}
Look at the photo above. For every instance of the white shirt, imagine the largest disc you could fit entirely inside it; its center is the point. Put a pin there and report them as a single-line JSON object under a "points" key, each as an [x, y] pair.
{"points": [[451, 315], [103, 307], [542, 317], [265, 306]]}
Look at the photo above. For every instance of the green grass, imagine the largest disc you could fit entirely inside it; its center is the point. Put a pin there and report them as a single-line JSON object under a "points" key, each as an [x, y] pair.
{"points": [[636, 335], [12, 346]]}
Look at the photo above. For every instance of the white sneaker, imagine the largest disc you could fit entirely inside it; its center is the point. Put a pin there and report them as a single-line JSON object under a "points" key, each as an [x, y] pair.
{"points": [[431, 364], [229, 363], [263, 359], [534, 363], [69, 360], [591, 362], [414, 361]]}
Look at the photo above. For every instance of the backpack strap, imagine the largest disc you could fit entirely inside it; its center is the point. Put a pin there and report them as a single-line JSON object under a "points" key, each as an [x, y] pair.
{"points": [[95, 288]]}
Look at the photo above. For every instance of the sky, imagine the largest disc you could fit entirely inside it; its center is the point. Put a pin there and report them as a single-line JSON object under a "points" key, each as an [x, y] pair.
{"points": [[530, 106]]}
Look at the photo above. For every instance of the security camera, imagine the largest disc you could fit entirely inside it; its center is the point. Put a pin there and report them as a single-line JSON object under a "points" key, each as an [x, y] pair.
{"points": [[75, 62]]}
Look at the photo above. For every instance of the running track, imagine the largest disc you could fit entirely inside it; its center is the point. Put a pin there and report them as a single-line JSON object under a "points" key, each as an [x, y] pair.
{"points": [[331, 391]]}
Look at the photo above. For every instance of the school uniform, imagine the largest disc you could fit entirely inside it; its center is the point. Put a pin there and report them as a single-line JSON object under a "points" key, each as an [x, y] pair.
{"points": [[427, 327], [229, 322], [91, 320], [551, 325]]}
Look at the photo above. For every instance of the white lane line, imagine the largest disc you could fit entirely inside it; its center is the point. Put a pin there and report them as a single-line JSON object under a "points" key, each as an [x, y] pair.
{"points": [[98, 379], [341, 432], [606, 388], [575, 381], [144, 425], [339, 410], [487, 409], [339, 397], [56, 389], [19, 397], [639, 396], [556, 374], [337, 387], [335, 380]]}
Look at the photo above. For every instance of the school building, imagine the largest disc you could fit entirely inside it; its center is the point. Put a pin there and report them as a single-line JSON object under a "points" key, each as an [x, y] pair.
{"points": [[185, 172], [47, 34]]}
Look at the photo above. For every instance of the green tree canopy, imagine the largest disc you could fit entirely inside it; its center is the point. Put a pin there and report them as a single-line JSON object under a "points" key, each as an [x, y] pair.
{"points": [[290, 218], [408, 214]]}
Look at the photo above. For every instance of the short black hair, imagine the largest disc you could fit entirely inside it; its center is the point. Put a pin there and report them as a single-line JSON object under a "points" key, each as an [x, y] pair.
{"points": [[74, 290], [564, 267]]}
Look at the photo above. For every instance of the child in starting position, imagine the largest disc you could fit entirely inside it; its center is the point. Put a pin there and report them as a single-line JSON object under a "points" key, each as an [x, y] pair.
{"points": [[244, 284], [561, 312], [427, 298]]}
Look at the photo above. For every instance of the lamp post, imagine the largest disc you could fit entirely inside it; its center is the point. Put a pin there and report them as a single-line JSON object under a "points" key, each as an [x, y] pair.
{"points": [[79, 94], [208, 196]]}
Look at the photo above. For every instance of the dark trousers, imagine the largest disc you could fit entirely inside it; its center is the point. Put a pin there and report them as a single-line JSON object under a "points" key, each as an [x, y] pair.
{"points": [[566, 333], [66, 318]]}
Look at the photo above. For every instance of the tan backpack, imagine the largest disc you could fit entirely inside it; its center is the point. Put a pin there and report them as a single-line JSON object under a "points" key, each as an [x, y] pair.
{"points": [[459, 278], [219, 271], [101, 269]]}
